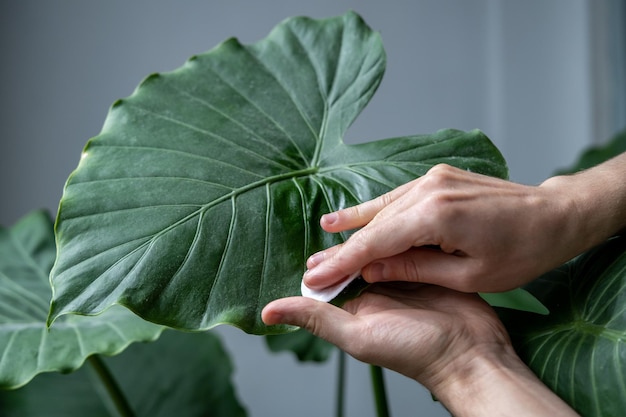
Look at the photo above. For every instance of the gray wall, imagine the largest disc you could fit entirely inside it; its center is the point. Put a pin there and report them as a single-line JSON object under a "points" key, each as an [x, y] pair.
{"points": [[520, 71]]}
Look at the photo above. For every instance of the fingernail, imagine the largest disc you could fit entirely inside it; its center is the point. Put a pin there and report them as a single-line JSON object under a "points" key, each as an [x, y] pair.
{"points": [[277, 318], [315, 259], [310, 279], [330, 218], [306, 274], [273, 317]]}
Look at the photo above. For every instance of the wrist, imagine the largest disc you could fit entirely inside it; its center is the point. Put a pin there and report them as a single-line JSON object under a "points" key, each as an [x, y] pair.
{"points": [[465, 382], [594, 201], [495, 382]]}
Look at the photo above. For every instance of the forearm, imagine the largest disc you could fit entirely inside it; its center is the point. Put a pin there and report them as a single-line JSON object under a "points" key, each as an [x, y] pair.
{"points": [[498, 387], [589, 208], [596, 199]]}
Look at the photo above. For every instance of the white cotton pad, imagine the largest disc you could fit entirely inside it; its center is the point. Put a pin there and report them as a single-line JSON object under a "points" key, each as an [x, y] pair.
{"points": [[328, 293]]}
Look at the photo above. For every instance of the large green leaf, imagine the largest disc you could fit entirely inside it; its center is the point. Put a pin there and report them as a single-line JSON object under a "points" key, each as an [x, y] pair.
{"points": [[198, 203], [27, 347], [579, 350], [181, 374]]}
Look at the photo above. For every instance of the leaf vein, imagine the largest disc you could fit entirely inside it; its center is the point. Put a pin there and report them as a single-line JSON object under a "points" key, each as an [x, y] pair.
{"points": [[150, 178], [189, 154], [322, 131], [218, 273], [258, 138], [268, 199], [32, 298], [306, 220], [271, 119]]}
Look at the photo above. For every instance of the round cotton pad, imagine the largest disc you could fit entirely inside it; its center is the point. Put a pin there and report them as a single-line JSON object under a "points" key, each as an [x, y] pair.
{"points": [[329, 293]]}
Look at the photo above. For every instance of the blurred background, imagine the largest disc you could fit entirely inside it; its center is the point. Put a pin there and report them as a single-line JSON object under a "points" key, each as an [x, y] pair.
{"points": [[544, 80]]}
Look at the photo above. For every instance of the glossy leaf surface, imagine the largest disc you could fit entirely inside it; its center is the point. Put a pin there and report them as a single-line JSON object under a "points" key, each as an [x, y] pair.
{"points": [[27, 347], [181, 374], [199, 201], [579, 350]]}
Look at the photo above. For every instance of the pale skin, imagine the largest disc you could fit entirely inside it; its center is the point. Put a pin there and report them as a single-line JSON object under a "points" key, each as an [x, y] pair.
{"points": [[491, 235], [450, 342], [467, 233]]}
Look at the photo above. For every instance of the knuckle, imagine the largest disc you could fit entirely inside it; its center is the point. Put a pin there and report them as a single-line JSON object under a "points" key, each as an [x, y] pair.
{"points": [[386, 199], [438, 180], [314, 323], [352, 211], [360, 242], [358, 212], [441, 174], [411, 270], [440, 201]]}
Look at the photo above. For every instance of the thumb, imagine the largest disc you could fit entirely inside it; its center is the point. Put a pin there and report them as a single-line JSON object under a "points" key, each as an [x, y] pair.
{"points": [[322, 319], [424, 265]]}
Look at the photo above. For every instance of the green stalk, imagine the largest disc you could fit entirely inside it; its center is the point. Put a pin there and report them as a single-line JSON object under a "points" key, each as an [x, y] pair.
{"points": [[116, 395], [341, 384], [380, 394]]}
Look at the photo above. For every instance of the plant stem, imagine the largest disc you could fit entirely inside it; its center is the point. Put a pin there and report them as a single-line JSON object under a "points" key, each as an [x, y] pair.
{"points": [[380, 394], [116, 395], [341, 384]]}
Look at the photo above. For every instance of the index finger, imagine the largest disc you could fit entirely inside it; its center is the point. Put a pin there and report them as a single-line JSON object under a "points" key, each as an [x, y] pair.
{"points": [[361, 214], [375, 241]]}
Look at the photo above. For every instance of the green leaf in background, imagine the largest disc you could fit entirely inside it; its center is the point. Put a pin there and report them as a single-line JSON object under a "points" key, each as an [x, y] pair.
{"points": [[27, 347], [597, 154], [306, 346], [199, 201], [181, 374], [518, 299], [579, 350]]}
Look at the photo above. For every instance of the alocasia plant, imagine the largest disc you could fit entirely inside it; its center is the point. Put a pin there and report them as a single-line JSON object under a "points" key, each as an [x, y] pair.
{"points": [[198, 202], [596, 154], [27, 347], [182, 374], [183, 367], [579, 350]]}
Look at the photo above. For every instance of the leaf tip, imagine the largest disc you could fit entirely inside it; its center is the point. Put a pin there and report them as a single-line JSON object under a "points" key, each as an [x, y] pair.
{"points": [[517, 299], [149, 79]]}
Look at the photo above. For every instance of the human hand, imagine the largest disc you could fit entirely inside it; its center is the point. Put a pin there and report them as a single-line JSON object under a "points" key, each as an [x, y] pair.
{"points": [[452, 228], [414, 329], [451, 342]]}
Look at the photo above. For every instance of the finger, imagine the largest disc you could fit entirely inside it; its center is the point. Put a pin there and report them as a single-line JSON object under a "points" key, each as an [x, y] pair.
{"points": [[319, 257], [361, 214], [322, 319], [428, 266], [377, 240]]}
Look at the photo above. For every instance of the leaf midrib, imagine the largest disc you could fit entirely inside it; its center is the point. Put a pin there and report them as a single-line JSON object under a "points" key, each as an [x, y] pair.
{"points": [[241, 190]]}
